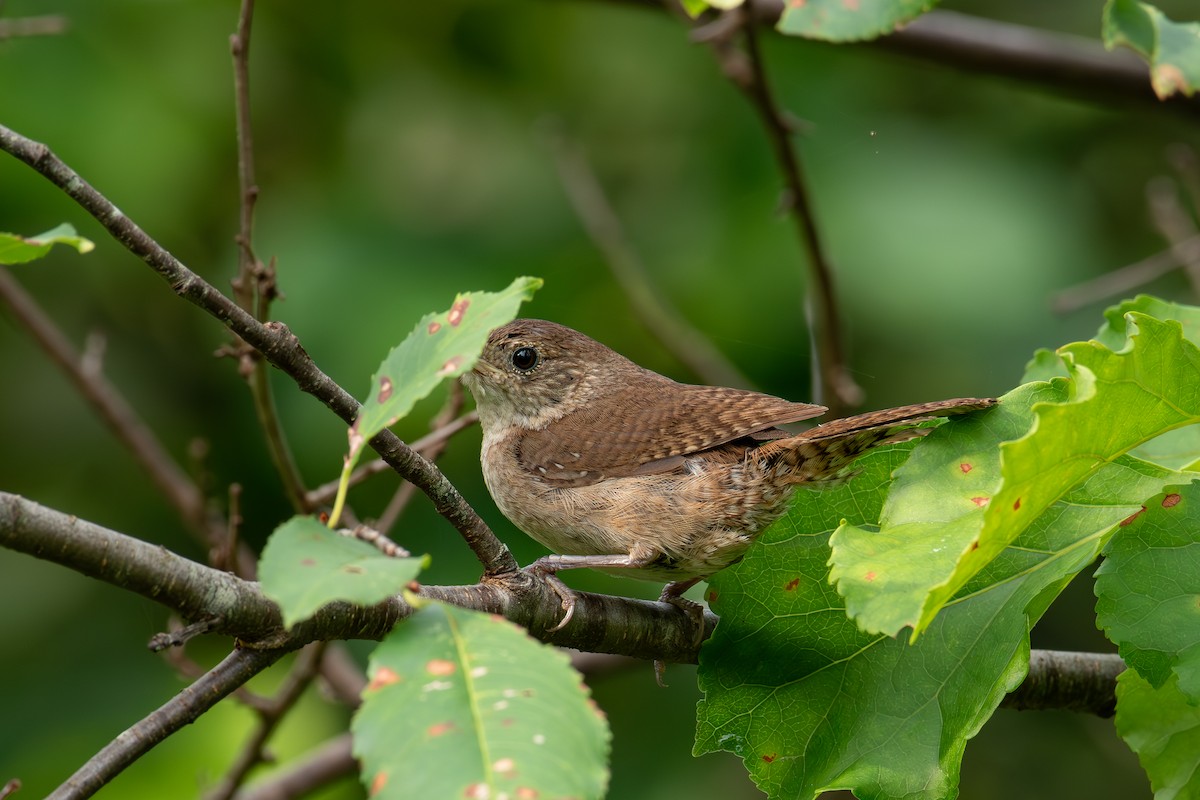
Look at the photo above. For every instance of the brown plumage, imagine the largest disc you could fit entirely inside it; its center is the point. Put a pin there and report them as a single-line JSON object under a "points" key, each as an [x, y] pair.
{"points": [[616, 467]]}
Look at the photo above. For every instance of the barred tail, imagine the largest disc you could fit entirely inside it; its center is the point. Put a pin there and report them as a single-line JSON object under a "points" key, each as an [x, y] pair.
{"points": [[824, 452]]}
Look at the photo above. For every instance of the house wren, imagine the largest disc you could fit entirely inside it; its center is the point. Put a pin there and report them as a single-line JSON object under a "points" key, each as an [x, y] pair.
{"points": [[618, 468]]}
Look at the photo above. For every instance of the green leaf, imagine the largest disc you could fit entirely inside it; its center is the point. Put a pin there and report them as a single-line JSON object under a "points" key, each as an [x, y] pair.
{"points": [[934, 513], [1118, 400], [441, 346], [811, 702], [1044, 366], [1163, 728], [1113, 332], [1148, 590], [305, 566], [16, 249], [840, 21], [464, 704], [1171, 48], [1175, 449], [694, 8]]}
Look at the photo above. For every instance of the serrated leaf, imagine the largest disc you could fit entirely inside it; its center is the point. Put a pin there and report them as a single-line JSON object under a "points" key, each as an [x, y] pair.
{"points": [[840, 21], [1119, 400], [497, 714], [1148, 590], [16, 249], [1163, 728], [305, 566], [1176, 449], [933, 514], [1171, 48], [1115, 330], [441, 346], [812, 703], [1045, 365]]}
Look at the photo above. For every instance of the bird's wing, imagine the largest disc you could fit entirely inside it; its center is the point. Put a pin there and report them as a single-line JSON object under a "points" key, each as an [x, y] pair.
{"points": [[642, 432]]}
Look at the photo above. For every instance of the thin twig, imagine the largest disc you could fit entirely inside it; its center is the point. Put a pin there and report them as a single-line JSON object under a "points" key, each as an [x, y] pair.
{"points": [[433, 450], [301, 675], [325, 764], [836, 388], [255, 284], [341, 675], [1119, 282], [179, 490], [276, 343], [379, 541], [182, 709], [10, 788], [322, 494], [1175, 225], [1075, 65], [604, 228], [48, 25]]}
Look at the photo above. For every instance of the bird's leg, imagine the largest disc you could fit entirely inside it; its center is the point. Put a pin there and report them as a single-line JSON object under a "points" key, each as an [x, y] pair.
{"points": [[673, 593], [548, 567]]}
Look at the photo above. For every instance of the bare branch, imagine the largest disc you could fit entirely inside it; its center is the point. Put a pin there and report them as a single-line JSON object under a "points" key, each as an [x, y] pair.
{"points": [[1085, 682], [325, 764], [48, 25], [1071, 64], [608, 235], [122, 420], [182, 709], [836, 388], [1120, 281], [446, 417], [276, 343], [325, 492], [255, 285], [304, 670]]}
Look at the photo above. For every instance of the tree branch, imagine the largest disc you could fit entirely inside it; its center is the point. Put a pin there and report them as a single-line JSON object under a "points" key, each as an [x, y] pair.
{"points": [[601, 623], [1085, 682], [182, 709], [255, 284], [1073, 65], [179, 490], [273, 339], [604, 228], [269, 717], [835, 387], [325, 764]]}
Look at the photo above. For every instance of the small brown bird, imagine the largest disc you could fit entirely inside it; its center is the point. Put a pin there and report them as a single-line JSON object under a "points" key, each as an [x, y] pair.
{"points": [[618, 468]]}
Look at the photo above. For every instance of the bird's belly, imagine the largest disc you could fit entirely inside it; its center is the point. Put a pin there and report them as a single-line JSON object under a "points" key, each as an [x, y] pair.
{"points": [[694, 520]]}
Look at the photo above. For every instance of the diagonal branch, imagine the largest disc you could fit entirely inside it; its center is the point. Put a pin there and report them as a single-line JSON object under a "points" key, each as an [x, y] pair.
{"points": [[607, 234], [182, 709], [273, 339], [179, 490], [255, 284], [835, 387]]}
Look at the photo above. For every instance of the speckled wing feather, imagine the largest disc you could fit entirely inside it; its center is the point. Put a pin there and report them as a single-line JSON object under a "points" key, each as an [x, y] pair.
{"points": [[652, 430]]}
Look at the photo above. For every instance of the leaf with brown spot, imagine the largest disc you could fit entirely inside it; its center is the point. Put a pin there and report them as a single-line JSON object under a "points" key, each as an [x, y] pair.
{"points": [[417, 365], [517, 710], [1148, 587]]}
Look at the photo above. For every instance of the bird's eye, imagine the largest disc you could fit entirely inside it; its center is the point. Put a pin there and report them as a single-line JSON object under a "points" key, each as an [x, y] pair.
{"points": [[525, 358]]}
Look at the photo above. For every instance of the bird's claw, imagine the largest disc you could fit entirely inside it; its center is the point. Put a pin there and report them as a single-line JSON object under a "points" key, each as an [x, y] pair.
{"points": [[565, 595]]}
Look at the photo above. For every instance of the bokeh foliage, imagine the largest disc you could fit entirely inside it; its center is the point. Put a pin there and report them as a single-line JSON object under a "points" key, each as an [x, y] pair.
{"points": [[401, 160]]}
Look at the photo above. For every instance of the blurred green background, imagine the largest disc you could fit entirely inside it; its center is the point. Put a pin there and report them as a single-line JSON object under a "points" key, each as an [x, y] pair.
{"points": [[402, 158]]}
